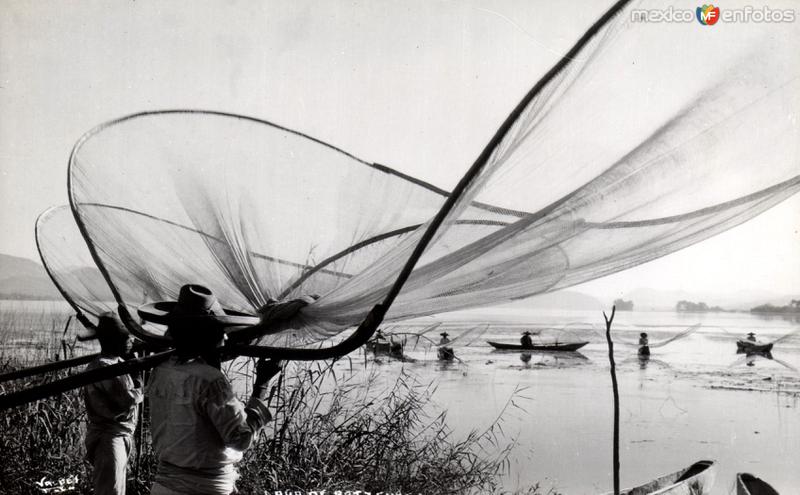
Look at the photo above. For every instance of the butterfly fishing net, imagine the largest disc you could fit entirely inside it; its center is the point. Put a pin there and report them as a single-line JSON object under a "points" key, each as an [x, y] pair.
{"points": [[650, 138], [70, 266], [69, 263]]}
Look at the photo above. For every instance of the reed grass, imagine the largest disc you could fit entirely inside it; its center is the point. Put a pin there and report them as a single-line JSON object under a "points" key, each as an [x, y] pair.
{"points": [[331, 431]]}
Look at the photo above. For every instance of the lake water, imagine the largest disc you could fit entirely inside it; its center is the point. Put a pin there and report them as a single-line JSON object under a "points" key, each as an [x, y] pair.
{"points": [[694, 399]]}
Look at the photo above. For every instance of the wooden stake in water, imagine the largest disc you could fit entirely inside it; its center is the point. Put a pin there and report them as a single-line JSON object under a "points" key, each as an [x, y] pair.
{"points": [[616, 397]]}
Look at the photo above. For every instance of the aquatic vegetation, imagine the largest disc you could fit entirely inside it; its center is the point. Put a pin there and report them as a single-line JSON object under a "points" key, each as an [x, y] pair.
{"points": [[331, 431], [42, 440]]}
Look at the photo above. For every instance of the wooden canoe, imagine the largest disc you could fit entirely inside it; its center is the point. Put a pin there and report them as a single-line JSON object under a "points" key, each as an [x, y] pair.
{"points": [[696, 479], [554, 346], [747, 484], [750, 346]]}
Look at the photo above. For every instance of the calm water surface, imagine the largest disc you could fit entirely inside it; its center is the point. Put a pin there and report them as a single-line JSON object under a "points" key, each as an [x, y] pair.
{"points": [[694, 399]]}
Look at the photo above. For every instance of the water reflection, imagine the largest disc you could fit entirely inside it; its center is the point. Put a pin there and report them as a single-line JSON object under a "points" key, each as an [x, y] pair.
{"points": [[789, 317], [750, 359], [644, 360], [448, 365], [550, 359]]}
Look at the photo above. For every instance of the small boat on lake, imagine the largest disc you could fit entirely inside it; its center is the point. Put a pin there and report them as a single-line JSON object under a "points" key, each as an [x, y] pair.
{"points": [[552, 346], [696, 479], [749, 346], [747, 484]]}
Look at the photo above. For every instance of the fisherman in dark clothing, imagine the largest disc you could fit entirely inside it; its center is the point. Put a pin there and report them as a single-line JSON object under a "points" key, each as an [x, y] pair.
{"points": [[445, 352], [111, 410], [395, 348], [644, 347], [526, 340]]}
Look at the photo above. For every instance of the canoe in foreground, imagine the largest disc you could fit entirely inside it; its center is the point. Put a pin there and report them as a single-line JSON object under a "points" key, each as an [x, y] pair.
{"points": [[748, 346], [747, 484], [696, 479], [555, 346]]}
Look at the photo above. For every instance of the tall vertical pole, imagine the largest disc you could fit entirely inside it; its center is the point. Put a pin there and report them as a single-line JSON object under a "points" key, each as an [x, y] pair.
{"points": [[615, 389]]}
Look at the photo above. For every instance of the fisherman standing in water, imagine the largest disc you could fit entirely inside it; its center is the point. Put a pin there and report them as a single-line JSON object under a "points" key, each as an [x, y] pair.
{"points": [[111, 410], [395, 348], [644, 347], [200, 429], [526, 340], [445, 353]]}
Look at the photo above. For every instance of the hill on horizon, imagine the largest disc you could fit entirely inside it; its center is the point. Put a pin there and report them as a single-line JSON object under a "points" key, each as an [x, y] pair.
{"points": [[22, 278], [648, 299]]}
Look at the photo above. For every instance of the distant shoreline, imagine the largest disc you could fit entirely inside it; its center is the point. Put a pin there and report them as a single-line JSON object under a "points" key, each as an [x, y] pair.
{"points": [[29, 297]]}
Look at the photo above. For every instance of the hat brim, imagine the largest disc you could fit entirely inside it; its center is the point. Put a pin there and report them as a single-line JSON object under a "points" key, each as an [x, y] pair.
{"points": [[160, 313]]}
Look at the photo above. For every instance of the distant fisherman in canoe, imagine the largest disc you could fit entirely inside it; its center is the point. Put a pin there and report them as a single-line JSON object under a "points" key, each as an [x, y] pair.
{"points": [[526, 340], [644, 347], [751, 345], [111, 410], [200, 429], [444, 340]]}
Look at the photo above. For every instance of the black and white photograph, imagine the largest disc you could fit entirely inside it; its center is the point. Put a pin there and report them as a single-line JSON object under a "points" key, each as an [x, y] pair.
{"points": [[418, 247]]}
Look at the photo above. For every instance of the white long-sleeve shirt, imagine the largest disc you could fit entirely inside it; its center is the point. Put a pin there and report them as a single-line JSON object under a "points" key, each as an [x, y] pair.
{"points": [[199, 428]]}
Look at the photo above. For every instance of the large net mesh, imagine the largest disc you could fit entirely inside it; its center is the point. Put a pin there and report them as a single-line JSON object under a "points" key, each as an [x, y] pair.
{"points": [[654, 137], [69, 263]]}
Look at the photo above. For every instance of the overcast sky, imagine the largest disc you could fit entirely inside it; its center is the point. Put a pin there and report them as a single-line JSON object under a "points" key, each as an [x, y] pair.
{"points": [[420, 86]]}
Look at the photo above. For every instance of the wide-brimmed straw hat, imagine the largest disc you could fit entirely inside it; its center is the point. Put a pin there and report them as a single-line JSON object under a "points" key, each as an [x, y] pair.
{"points": [[195, 302], [751, 333], [444, 334], [527, 332]]}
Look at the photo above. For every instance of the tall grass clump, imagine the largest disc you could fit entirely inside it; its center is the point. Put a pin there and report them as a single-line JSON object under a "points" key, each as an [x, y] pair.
{"points": [[42, 440], [332, 433]]}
